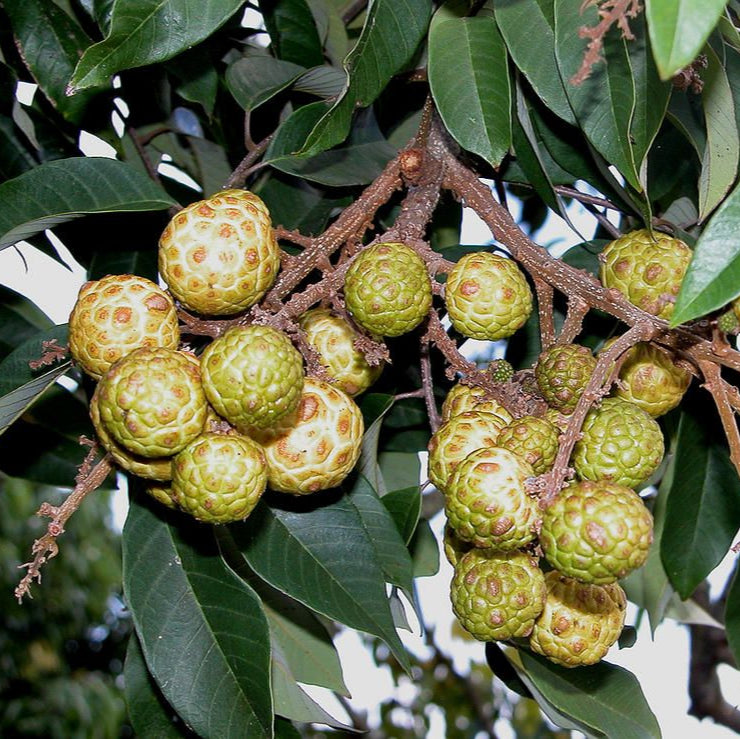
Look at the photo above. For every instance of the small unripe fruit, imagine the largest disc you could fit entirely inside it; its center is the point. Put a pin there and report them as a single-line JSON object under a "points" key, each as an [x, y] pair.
{"points": [[333, 339], [252, 376], [579, 622], [535, 440], [387, 289], [562, 373], [487, 296], [497, 595], [486, 500], [317, 446], [219, 256], [117, 314], [597, 532], [647, 268], [620, 443], [500, 370], [219, 478], [152, 401], [463, 398]]}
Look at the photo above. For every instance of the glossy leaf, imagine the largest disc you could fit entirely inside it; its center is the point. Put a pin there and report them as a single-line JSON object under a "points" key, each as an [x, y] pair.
{"points": [[148, 31], [62, 190], [202, 631], [469, 80], [20, 319], [293, 31], [289, 548], [404, 505], [255, 79], [679, 29], [703, 506], [732, 615]]}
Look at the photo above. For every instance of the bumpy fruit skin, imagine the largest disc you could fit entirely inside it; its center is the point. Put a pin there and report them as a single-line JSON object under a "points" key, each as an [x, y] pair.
{"points": [[156, 468], [333, 339], [152, 401], [579, 622], [219, 256], [455, 439], [387, 289], [500, 370], [486, 501], [562, 373], [620, 443], [454, 547], [219, 478], [318, 445], [463, 398], [651, 380], [117, 314], [533, 439], [647, 268], [252, 376], [597, 532], [162, 493], [497, 595], [487, 296]]}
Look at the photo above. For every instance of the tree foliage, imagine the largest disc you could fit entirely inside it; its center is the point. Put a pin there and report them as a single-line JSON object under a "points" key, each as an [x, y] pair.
{"points": [[358, 122]]}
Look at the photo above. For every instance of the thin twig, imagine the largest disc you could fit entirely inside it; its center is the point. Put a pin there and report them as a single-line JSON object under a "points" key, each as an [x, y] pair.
{"points": [[545, 312], [247, 165], [714, 383], [577, 310], [427, 383]]}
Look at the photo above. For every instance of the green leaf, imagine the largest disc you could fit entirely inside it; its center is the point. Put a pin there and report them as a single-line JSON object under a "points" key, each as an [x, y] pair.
{"points": [[202, 631], [374, 408], [603, 696], [286, 543], [719, 162], [196, 72], [20, 319], [605, 101], [404, 505], [65, 189], [390, 35], [149, 31], [469, 80], [679, 29], [51, 44], [148, 711], [400, 469], [214, 168], [713, 277], [293, 32], [324, 82], [255, 79], [520, 21], [732, 615], [703, 506], [15, 156]]}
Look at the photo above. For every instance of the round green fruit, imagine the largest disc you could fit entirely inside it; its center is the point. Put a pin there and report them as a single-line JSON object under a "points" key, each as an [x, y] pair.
{"points": [[454, 547], [252, 376], [219, 256], [219, 478], [486, 500], [462, 398], [597, 532], [333, 339], [562, 373], [497, 595], [647, 268], [535, 440], [387, 289], [117, 314], [487, 296], [619, 442], [579, 622], [152, 402]]}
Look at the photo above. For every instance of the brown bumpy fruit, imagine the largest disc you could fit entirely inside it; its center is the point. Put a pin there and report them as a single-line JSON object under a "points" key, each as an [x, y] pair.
{"points": [[455, 439], [152, 402], [533, 439], [562, 373], [462, 398], [579, 621], [597, 532], [647, 268], [333, 339], [117, 314], [486, 500], [487, 296], [219, 256], [620, 443], [387, 289], [317, 446], [497, 595], [252, 376], [219, 478]]}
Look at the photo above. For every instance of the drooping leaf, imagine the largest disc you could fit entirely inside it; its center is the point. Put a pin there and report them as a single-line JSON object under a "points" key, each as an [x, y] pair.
{"points": [[679, 29], [703, 506], [304, 552], [293, 31], [324, 82], [374, 407], [214, 168], [65, 189], [202, 630], [15, 156], [469, 80], [198, 77], [20, 319], [400, 469], [732, 615], [255, 79], [149, 31], [404, 505]]}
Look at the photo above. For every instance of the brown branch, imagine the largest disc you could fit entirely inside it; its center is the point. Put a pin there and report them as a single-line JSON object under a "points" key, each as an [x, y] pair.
{"points": [[545, 311], [427, 383], [141, 151], [714, 383], [577, 310], [247, 165]]}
